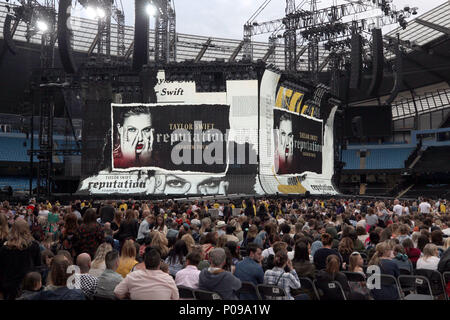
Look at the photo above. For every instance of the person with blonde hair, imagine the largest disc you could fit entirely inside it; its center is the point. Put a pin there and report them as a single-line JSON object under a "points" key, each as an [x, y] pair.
{"points": [[160, 242], [382, 258], [206, 225], [127, 258], [4, 229], [19, 255], [98, 264], [430, 258]]}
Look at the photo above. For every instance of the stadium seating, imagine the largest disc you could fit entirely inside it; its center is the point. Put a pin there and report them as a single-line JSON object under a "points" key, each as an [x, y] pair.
{"points": [[377, 159], [15, 149], [17, 184]]}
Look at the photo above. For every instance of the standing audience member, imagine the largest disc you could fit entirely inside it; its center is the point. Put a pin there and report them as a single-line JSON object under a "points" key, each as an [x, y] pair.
{"points": [[90, 234], [19, 255], [128, 228]]}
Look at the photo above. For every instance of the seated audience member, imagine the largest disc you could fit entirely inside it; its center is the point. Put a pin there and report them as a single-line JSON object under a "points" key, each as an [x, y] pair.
{"points": [[230, 234], [127, 258], [430, 258], [444, 262], [383, 259], [404, 233], [47, 256], [189, 276], [173, 231], [216, 279], [31, 284], [98, 264], [235, 252], [83, 280], [321, 255], [301, 262], [345, 249], [356, 263], [109, 238], [59, 278], [250, 269], [412, 253], [277, 276], [332, 273], [148, 284], [109, 279], [401, 259], [177, 257]]}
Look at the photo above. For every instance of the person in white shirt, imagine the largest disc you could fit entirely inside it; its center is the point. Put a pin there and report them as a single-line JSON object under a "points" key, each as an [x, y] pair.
{"points": [[188, 277], [279, 245], [398, 208], [424, 206], [446, 229], [43, 212], [430, 259]]}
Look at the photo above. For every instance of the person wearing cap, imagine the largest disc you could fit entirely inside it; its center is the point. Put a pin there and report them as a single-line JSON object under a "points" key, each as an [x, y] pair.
{"points": [[220, 228]]}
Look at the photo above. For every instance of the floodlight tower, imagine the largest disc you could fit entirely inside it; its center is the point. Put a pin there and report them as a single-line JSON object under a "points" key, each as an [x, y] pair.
{"points": [[165, 31]]}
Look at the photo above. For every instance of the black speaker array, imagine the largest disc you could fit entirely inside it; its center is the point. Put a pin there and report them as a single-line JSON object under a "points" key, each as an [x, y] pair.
{"points": [[357, 126], [65, 36], [356, 63], [141, 35], [9, 42], [398, 76], [377, 61]]}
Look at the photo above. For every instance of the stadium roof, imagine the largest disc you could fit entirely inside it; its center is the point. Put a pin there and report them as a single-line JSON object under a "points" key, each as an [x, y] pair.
{"points": [[188, 46]]}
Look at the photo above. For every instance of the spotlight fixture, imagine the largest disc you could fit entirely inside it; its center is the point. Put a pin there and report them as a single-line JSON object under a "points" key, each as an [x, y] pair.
{"points": [[151, 10], [91, 12], [101, 13], [42, 26]]}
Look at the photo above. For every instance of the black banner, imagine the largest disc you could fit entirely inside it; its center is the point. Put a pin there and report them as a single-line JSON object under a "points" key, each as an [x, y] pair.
{"points": [[298, 143], [187, 138]]}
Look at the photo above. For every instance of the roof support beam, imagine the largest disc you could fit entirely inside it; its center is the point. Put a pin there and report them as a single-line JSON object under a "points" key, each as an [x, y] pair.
{"points": [[433, 26], [236, 51], [300, 53], [203, 50]]}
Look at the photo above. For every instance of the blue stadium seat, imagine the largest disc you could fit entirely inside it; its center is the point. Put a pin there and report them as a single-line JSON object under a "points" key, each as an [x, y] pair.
{"points": [[377, 159], [18, 184]]}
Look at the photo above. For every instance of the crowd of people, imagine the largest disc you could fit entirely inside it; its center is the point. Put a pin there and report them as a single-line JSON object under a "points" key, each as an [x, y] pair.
{"points": [[148, 250]]}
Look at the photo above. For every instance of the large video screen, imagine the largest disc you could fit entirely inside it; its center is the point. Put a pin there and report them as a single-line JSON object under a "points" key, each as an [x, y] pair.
{"points": [[212, 143]]}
